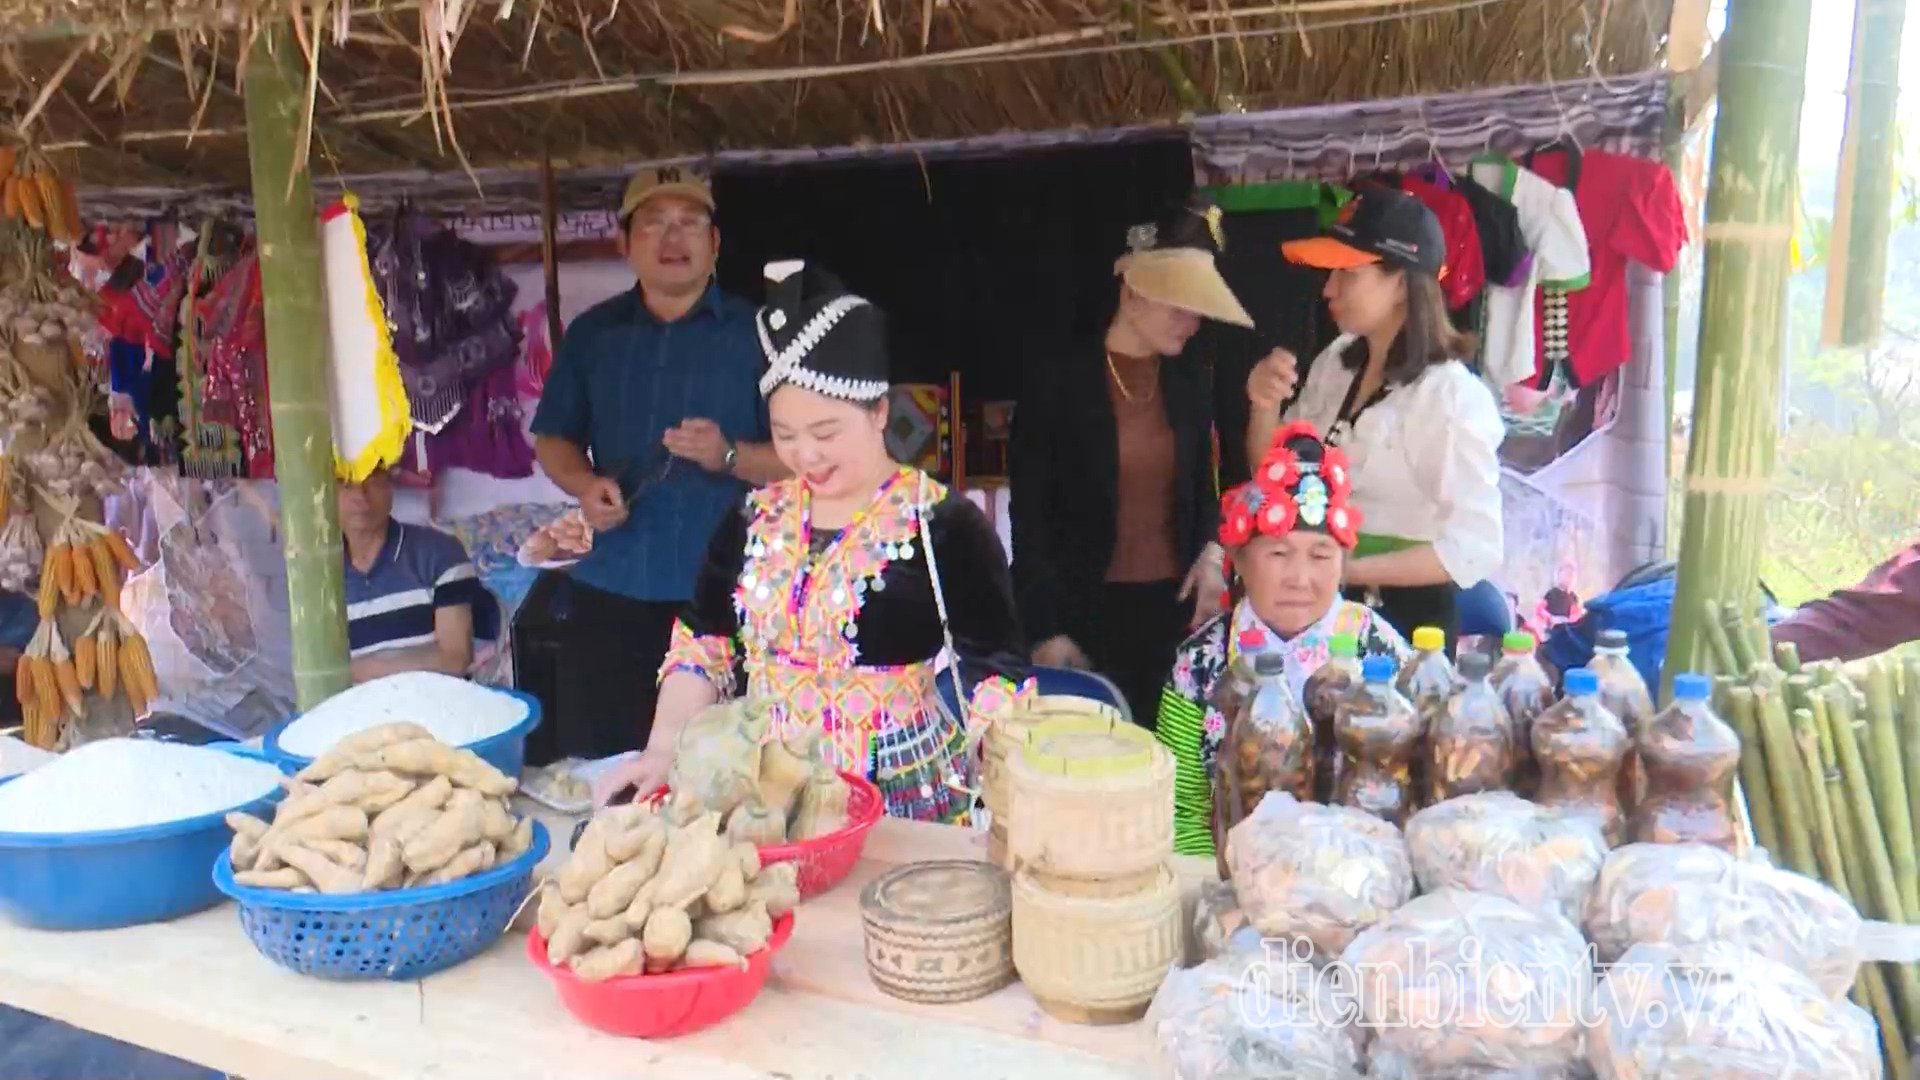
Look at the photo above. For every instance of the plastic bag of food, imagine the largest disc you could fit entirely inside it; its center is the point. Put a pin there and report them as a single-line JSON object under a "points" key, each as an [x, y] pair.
{"points": [[1465, 984], [1253, 1017], [1496, 842], [1217, 918], [1716, 1011], [1691, 894], [1322, 873], [716, 761]]}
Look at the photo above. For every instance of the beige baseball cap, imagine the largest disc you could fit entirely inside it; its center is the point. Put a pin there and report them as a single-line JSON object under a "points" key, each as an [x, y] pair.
{"points": [[655, 181]]}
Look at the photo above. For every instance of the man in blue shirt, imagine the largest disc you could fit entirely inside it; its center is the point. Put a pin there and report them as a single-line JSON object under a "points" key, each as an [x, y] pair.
{"points": [[413, 598], [652, 418]]}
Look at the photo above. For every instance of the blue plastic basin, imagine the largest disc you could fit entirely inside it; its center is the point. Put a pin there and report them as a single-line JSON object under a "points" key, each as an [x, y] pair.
{"points": [[506, 751], [117, 877]]}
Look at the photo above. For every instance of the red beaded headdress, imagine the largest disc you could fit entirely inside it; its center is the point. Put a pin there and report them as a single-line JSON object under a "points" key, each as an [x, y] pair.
{"points": [[1301, 483]]}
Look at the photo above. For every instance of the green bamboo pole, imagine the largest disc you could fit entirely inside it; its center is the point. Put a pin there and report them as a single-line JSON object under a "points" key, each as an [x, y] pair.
{"points": [[1786, 657], [1792, 806], [1749, 232], [1753, 770], [297, 370], [1718, 644], [1833, 868], [1877, 867], [1889, 785], [1873, 92], [1910, 734]]}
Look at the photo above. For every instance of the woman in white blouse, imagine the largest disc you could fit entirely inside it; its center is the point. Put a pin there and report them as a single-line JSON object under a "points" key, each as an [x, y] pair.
{"points": [[1420, 430]]}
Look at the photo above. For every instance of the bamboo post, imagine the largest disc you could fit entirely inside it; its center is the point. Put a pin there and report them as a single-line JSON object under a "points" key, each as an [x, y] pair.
{"points": [[297, 371], [1750, 198], [550, 248], [1857, 252]]}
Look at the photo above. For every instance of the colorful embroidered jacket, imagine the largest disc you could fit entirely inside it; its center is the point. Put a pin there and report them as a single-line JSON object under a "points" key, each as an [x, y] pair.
{"points": [[842, 630], [1192, 728]]}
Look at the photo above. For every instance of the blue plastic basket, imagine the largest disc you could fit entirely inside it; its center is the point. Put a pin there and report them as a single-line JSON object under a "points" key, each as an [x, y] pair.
{"points": [[403, 934], [118, 877], [506, 751]]}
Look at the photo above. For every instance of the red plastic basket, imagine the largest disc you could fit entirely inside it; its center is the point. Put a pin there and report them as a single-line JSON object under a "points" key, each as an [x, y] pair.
{"points": [[664, 1005], [825, 861]]}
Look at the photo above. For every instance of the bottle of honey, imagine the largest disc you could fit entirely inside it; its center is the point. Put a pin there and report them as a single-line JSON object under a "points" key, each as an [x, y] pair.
{"points": [[1329, 683], [1688, 757], [1579, 745], [1379, 736]]}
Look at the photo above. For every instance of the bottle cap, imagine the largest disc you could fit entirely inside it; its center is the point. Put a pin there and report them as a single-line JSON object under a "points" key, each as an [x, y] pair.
{"points": [[1691, 687], [1612, 639], [1581, 682], [1377, 669], [1269, 664], [1343, 645], [1473, 665], [1518, 641], [1429, 638]]}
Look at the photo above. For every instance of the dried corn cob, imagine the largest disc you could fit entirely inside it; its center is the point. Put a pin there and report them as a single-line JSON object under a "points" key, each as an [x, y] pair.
{"points": [[6, 488], [134, 647], [122, 551], [10, 197], [70, 203], [8, 156], [46, 685], [85, 585], [49, 588], [23, 683], [106, 660], [84, 654], [30, 205], [53, 206], [106, 573]]}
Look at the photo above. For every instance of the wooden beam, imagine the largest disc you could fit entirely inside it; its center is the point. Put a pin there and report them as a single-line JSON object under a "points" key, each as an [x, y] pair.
{"points": [[549, 250], [298, 395]]}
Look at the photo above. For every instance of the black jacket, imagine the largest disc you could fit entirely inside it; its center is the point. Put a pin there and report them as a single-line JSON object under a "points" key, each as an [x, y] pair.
{"points": [[1065, 483]]}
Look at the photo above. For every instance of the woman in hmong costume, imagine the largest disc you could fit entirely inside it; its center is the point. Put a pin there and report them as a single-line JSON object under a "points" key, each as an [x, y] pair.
{"points": [[831, 595], [1288, 533]]}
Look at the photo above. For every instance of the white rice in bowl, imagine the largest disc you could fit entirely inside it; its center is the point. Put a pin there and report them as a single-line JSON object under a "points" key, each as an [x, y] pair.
{"points": [[130, 784], [457, 712]]}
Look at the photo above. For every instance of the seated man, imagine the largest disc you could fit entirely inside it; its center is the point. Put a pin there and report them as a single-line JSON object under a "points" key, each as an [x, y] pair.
{"points": [[412, 592]]}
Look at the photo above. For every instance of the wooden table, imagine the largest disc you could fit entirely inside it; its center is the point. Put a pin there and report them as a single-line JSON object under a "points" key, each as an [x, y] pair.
{"points": [[196, 989]]}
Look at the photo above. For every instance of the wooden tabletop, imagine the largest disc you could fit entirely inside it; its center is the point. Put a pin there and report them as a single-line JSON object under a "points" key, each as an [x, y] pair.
{"points": [[196, 989]]}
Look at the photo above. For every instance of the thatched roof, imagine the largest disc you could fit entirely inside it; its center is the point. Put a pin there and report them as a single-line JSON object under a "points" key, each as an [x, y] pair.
{"points": [[117, 85]]}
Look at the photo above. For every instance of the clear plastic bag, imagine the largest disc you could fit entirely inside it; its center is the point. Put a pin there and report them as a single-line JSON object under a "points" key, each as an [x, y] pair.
{"points": [[1253, 1017], [1217, 918], [1496, 842], [1319, 873], [1464, 984], [1691, 894], [1717, 1011]]}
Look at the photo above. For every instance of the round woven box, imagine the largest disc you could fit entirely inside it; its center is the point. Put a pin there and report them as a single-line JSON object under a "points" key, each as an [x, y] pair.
{"points": [[939, 932], [1096, 960], [1095, 801], [1007, 735]]}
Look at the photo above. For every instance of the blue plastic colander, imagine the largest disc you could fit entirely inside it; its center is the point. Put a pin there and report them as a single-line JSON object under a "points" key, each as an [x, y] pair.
{"points": [[119, 877], [506, 751], [401, 934]]}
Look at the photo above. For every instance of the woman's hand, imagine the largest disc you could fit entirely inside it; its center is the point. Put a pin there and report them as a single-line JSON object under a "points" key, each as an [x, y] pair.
{"points": [[1061, 652], [1206, 583], [645, 773], [1272, 381]]}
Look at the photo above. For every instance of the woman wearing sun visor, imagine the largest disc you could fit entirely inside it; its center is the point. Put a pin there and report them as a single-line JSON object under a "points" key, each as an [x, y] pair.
{"points": [[1420, 430]]}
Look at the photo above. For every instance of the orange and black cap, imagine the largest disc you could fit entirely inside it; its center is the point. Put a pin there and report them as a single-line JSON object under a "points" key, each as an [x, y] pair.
{"points": [[1378, 225]]}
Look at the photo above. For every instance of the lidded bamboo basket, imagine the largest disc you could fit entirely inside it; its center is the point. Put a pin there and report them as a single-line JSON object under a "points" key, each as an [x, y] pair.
{"points": [[939, 932], [1005, 737], [1095, 801], [1096, 960]]}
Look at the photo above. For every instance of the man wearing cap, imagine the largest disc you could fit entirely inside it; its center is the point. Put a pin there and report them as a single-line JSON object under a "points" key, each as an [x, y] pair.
{"points": [[652, 418]]}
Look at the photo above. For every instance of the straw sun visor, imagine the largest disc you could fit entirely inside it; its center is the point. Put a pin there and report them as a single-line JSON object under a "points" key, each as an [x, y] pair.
{"points": [[1185, 278]]}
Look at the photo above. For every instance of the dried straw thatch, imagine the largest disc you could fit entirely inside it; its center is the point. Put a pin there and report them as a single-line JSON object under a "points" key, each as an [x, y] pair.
{"points": [[146, 91]]}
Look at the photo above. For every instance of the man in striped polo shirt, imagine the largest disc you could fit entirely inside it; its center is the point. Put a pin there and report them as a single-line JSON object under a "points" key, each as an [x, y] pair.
{"points": [[411, 590]]}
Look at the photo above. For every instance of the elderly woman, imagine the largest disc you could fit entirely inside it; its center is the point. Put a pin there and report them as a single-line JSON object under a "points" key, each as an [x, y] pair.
{"points": [[1287, 533], [832, 596]]}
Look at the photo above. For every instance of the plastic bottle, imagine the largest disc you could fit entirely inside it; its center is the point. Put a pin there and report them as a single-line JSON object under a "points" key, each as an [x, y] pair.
{"points": [[1471, 743], [1325, 688], [1269, 744], [1427, 682], [1688, 757], [1379, 736], [1625, 695], [1579, 745], [1526, 692]]}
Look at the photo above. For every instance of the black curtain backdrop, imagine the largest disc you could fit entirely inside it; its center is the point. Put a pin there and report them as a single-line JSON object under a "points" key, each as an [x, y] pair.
{"points": [[983, 266]]}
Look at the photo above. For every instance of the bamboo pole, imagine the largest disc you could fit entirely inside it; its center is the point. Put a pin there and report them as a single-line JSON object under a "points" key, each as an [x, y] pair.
{"points": [[297, 372], [1857, 255], [1737, 388]]}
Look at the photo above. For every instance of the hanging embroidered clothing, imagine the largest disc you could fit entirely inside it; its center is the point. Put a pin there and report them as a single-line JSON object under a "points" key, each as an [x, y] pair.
{"points": [[1630, 210], [1503, 243], [1466, 269], [231, 352], [487, 436], [840, 632], [449, 311], [1550, 222]]}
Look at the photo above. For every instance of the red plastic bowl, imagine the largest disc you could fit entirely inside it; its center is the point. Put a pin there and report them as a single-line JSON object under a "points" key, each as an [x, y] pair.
{"points": [[665, 1005], [825, 861]]}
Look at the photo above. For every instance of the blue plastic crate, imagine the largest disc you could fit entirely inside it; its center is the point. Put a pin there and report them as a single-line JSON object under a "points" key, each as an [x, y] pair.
{"points": [[402, 934], [506, 751]]}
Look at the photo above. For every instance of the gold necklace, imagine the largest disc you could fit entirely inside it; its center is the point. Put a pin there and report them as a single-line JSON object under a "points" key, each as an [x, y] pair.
{"points": [[1121, 384]]}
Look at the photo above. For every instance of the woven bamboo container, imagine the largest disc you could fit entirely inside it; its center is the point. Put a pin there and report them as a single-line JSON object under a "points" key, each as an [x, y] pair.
{"points": [[1096, 960], [1095, 801], [939, 932], [1004, 738]]}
